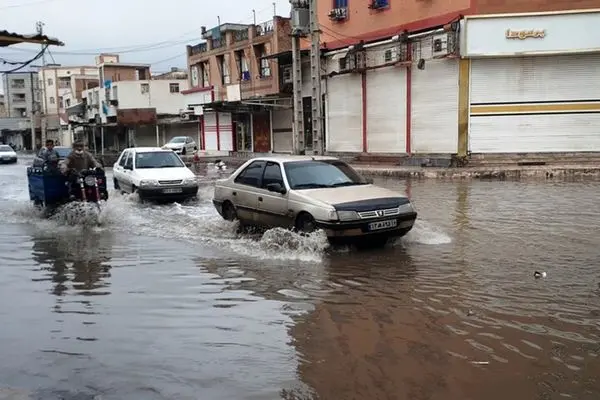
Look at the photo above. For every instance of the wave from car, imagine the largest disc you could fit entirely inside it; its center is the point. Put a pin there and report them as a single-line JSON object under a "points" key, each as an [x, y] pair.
{"points": [[154, 174], [7, 154], [308, 193]]}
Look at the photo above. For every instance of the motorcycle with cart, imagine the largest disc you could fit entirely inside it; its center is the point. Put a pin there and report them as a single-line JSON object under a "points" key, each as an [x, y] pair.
{"points": [[49, 189]]}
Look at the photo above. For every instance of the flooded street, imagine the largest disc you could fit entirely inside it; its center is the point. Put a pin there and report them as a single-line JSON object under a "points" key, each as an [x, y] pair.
{"points": [[168, 302]]}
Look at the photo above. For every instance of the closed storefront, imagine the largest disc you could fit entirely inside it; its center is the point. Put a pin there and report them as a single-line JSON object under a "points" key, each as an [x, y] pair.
{"points": [[218, 131], [282, 130], [434, 104], [344, 113], [534, 83], [386, 110]]}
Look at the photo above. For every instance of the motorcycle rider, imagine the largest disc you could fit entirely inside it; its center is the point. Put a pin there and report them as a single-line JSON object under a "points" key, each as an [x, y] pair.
{"points": [[49, 155], [78, 160]]}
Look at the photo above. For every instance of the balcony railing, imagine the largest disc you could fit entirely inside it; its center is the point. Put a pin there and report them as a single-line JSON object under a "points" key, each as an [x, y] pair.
{"points": [[17, 85], [197, 49], [240, 36], [218, 43], [265, 28], [18, 100]]}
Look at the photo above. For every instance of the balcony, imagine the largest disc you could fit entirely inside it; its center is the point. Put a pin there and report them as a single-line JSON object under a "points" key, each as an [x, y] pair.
{"points": [[338, 14], [217, 43], [17, 85], [240, 36], [197, 49], [265, 28]]}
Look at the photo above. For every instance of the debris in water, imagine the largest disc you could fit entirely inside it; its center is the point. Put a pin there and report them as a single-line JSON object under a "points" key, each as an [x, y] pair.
{"points": [[538, 274], [480, 362]]}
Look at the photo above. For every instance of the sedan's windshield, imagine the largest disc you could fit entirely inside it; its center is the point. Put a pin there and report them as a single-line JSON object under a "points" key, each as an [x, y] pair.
{"points": [[158, 159], [313, 174], [5, 149], [179, 139]]}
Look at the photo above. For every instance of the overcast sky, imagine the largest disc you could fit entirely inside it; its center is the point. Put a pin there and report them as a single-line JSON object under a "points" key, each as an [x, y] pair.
{"points": [[141, 31]]}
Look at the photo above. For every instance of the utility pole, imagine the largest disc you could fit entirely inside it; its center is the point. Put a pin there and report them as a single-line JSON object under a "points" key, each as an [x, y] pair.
{"points": [[40, 30], [300, 29], [315, 76]]}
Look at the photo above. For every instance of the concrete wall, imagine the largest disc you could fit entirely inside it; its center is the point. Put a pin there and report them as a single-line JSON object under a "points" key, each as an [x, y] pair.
{"points": [[517, 6], [129, 95], [366, 24]]}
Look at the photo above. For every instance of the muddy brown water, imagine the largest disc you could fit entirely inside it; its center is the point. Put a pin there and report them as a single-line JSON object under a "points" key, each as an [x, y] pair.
{"points": [[168, 302]]}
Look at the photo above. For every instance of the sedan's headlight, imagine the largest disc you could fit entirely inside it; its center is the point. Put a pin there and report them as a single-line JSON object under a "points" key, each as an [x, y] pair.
{"points": [[190, 181], [148, 183], [347, 215], [332, 215], [406, 208]]}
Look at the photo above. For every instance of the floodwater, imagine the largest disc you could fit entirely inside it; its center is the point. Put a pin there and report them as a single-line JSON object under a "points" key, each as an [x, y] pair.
{"points": [[168, 302]]}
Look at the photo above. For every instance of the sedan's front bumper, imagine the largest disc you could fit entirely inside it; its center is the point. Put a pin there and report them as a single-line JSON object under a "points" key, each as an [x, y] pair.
{"points": [[358, 229], [8, 160], [171, 193]]}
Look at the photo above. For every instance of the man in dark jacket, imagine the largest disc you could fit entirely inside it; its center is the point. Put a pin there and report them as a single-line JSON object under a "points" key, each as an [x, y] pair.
{"points": [[80, 159]]}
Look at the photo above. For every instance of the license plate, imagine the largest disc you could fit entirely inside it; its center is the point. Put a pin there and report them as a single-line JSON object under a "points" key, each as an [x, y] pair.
{"points": [[390, 223], [172, 190]]}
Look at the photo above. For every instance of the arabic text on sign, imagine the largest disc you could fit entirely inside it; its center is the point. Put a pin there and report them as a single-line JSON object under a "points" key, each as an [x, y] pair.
{"points": [[524, 34]]}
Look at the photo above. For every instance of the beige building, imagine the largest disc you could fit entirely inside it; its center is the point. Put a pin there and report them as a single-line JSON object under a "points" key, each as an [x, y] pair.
{"points": [[60, 86]]}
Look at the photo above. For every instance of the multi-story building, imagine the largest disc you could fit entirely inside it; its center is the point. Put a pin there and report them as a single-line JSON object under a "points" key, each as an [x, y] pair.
{"points": [[60, 86], [128, 108], [237, 86], [3, 109], [416, 78], [20, 93], [174, 73], [3, 112]]}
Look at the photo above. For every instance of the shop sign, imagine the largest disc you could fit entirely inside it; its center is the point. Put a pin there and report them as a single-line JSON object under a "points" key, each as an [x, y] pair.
{"points": [[530, 34], [525, 34]]}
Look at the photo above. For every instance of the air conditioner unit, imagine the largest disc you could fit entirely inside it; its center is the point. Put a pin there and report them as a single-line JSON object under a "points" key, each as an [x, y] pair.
{"points": [[185, 116], [443, 44]]}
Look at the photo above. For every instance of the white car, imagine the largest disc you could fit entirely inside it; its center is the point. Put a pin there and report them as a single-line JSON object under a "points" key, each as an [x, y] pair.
{"points": [[7, 154], [154, 174], [181, 145]]}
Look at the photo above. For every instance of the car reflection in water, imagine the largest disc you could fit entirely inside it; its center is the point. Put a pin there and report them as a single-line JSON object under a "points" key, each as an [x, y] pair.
{"points": [[75, 261]]}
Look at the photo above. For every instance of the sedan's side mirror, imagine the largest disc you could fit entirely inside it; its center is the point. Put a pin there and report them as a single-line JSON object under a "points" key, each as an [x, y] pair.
{"points": [[276, 187]]}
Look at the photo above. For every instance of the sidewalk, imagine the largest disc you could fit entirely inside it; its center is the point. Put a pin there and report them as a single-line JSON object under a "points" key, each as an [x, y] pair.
{"points": [[506, 172]]}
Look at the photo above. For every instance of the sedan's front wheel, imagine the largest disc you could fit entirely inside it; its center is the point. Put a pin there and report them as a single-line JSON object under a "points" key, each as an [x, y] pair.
{"points": [[229, 212], [305, 223]]}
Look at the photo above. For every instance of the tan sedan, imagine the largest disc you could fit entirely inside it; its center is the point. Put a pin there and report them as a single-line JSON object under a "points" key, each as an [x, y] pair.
{"points": [[307, 193]]}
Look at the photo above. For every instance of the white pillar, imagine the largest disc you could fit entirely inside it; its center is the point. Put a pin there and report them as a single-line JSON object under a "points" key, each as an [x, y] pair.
{"points": [[157, 135]]}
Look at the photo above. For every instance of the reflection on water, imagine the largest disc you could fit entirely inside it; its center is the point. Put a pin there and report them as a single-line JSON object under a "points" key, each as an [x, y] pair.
{"points": [[76, 259], [466, 319]]}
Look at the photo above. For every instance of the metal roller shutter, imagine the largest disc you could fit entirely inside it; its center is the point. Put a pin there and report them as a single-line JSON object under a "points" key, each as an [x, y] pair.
{"points": [[225, 132], [386, 110], [434, 107], [282, 131], [344, 113], [535, 104], [210, 131]]}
